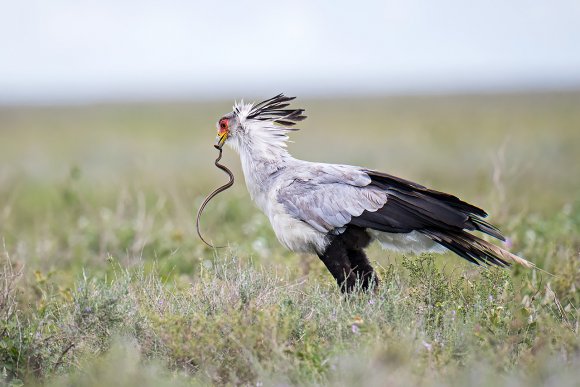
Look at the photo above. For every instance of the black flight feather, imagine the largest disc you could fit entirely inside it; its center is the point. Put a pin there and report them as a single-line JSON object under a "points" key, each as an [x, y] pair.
{"points": [[440, 216]]}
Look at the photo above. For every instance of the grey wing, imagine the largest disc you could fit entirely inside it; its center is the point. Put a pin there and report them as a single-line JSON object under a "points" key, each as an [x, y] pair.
{"points": [[328, 197]]}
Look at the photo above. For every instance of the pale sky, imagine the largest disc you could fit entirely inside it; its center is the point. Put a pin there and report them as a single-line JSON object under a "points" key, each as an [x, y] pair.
{"points": [[76, 50]]}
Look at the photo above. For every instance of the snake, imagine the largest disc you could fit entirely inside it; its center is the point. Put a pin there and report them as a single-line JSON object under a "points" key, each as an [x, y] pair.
{"points": [[214, 194]]}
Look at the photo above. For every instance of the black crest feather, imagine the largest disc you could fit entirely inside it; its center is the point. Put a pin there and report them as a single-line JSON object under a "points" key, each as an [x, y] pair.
{"points": [[273, 109]]}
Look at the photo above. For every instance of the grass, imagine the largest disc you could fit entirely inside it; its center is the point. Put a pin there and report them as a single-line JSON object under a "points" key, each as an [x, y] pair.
{"points": [[103, 279]]}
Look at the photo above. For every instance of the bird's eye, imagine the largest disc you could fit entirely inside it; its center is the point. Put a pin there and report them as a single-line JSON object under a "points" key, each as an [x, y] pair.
{"points": [[224, 124]]}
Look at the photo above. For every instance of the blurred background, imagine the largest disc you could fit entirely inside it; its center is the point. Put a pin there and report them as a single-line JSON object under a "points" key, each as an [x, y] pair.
{"points": [[108, 111], [77, 52]]}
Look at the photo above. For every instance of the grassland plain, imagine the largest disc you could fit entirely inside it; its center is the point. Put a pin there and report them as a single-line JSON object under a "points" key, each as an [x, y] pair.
{"points": [[104, 281]]}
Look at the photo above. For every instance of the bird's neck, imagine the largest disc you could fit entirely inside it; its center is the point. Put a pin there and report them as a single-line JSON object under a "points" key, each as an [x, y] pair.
{"points": [[260, 162]]}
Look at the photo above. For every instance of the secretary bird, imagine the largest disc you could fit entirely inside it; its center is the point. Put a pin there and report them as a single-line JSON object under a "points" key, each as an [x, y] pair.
{"points": [[335, 211]]}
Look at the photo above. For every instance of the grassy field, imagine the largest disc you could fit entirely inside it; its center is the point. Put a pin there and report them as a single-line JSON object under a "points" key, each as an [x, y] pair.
{"points": [[104, 281]]}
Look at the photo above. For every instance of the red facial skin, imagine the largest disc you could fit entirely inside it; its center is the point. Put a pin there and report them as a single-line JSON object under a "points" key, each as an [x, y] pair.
{"points": [[223, 127]]}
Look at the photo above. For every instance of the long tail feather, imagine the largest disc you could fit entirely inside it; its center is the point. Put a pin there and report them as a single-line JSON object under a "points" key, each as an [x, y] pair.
{"points": [[474, 249]]}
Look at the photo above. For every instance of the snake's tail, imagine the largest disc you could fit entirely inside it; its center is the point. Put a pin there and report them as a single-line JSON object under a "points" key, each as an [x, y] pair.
{"points": [[201, 208]]}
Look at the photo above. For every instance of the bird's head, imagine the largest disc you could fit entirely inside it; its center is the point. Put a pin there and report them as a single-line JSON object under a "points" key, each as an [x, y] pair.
{"points": [[262, 124], [228, 127]]}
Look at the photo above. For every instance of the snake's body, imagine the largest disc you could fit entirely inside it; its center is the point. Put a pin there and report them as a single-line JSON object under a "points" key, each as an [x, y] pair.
{"points": [[213, 194]]}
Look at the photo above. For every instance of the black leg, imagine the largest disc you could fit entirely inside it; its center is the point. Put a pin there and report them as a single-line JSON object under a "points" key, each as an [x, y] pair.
{"points": [[362, 269], [356, 239], [335, 258], [347, 262]]}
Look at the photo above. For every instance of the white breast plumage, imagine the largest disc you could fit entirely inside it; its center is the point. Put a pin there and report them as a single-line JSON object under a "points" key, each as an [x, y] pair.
{"points": [[295, 234]]}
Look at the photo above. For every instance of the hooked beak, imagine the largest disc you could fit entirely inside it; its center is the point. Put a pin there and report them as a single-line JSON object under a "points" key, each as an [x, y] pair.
{"points": [[221, 139]]}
